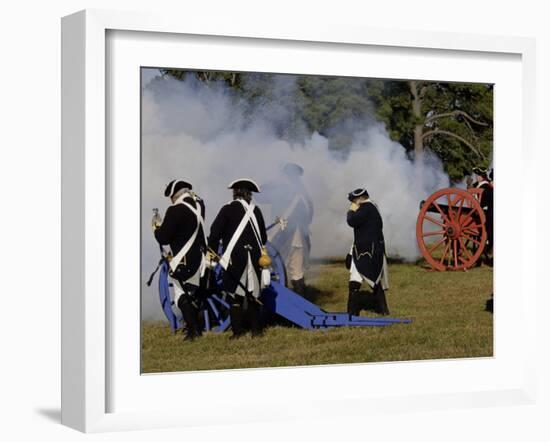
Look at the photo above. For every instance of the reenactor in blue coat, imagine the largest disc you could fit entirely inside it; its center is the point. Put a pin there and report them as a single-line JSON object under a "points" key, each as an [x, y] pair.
{"points": [[293, 211], [240, 229], [484, 181], [367, 258], [183, 230]]}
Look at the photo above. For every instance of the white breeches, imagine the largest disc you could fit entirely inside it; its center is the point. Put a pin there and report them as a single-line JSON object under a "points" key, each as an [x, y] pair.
{"points": [[249, 280], [178, 289], [295, 263], [354, 275]]}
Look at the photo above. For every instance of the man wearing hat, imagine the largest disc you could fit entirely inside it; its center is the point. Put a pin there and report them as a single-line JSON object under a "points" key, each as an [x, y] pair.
{"points": [[240, 228], [484, 182], [292, 206], [368, 255], [183, 230]]}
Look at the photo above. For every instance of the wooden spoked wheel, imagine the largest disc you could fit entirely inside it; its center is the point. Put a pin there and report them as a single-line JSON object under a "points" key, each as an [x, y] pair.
{"points": [[450, 229]]}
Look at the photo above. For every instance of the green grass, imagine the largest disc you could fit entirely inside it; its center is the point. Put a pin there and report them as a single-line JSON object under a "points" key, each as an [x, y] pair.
{"points": [[447, 309]]}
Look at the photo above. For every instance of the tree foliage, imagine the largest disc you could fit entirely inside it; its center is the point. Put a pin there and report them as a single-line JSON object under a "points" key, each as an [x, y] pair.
{"points": [[453, 120]]}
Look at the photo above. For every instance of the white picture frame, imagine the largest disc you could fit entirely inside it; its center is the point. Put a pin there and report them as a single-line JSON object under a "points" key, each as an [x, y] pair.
{"points": [[87, 354]]}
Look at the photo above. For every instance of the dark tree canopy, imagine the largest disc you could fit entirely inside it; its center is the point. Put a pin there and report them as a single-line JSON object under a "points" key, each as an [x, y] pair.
{"points": [[453, 120]]}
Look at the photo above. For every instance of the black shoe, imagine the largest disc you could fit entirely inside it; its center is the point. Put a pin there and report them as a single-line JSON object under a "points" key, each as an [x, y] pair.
{"points": [[385, 309], [254, 315], [489, 305], [354, 298], [257, 333], [189, 337], [381, 305], [189, 314], [236, 316], [299, 286]]}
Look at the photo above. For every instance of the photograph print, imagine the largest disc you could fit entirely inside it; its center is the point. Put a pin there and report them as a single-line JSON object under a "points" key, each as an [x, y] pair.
{"points": [[298, 220]]}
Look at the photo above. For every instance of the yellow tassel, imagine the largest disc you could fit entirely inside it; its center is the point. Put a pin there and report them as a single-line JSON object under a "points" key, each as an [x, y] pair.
{"points": [[265, 259]]}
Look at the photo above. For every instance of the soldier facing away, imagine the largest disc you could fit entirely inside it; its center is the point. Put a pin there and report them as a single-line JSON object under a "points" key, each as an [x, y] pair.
{"points": [[240, 228], [367, 258], [183, 230], [484, 182], [292, 205]]}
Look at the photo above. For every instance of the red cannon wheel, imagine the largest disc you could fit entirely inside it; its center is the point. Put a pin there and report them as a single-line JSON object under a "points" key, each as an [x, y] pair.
{"points": [[450, 229]]}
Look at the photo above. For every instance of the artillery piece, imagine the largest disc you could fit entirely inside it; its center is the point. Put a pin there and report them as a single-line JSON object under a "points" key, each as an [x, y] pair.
{"points": [[276, 298], [450, 229]]}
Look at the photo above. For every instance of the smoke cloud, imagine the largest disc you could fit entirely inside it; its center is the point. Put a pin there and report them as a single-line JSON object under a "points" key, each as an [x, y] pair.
{"points": [[201, 134]]}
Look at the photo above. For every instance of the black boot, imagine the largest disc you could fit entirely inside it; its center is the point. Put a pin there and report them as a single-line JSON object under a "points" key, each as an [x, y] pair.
{"points": [[381, 306], [386, 310], [299, 286], [254, 313], [189, 314], [489, 305], [378, 303], [354, 300], [236, 315]]}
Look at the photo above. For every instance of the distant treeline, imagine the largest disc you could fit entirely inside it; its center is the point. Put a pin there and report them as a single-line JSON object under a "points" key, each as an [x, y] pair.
{"points": [[453, 120]]}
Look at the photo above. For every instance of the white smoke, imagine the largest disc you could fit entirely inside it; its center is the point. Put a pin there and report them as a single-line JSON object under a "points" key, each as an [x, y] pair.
{"points": [[198, 133]]}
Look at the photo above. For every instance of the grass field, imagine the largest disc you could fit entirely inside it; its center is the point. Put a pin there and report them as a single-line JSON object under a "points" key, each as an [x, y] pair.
{"points": [[447, 309]]}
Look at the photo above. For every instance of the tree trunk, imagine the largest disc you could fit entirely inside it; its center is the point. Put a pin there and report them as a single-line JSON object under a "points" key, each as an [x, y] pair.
{"points": [[418, 144], [417, 112]]}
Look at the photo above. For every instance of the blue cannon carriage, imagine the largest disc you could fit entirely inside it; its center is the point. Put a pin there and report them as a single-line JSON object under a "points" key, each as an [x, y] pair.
{"points": [[277, 299]]}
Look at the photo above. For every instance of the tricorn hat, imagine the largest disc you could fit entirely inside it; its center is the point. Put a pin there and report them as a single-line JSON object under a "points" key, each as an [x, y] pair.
{"points": [[175, 186], [357, 193], [480, 171], [293, 169], [244, 183]]}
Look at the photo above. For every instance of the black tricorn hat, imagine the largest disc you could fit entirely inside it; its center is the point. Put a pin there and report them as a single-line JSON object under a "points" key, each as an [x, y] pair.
{"points": [[175, 186], [293, 169], [245, 184], [357, 193], [480, 171]]}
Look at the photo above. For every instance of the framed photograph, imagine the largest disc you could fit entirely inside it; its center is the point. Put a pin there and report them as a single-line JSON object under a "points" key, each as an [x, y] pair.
{"points": [[308, 145], [269, 216]]}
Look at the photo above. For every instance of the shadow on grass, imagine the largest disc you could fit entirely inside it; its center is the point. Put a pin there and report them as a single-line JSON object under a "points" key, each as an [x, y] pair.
{"points": [[320, 297], [317, 296]]}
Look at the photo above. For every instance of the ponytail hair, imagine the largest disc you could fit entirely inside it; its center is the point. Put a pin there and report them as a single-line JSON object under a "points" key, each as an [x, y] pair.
{"points": [[242, 193]]}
